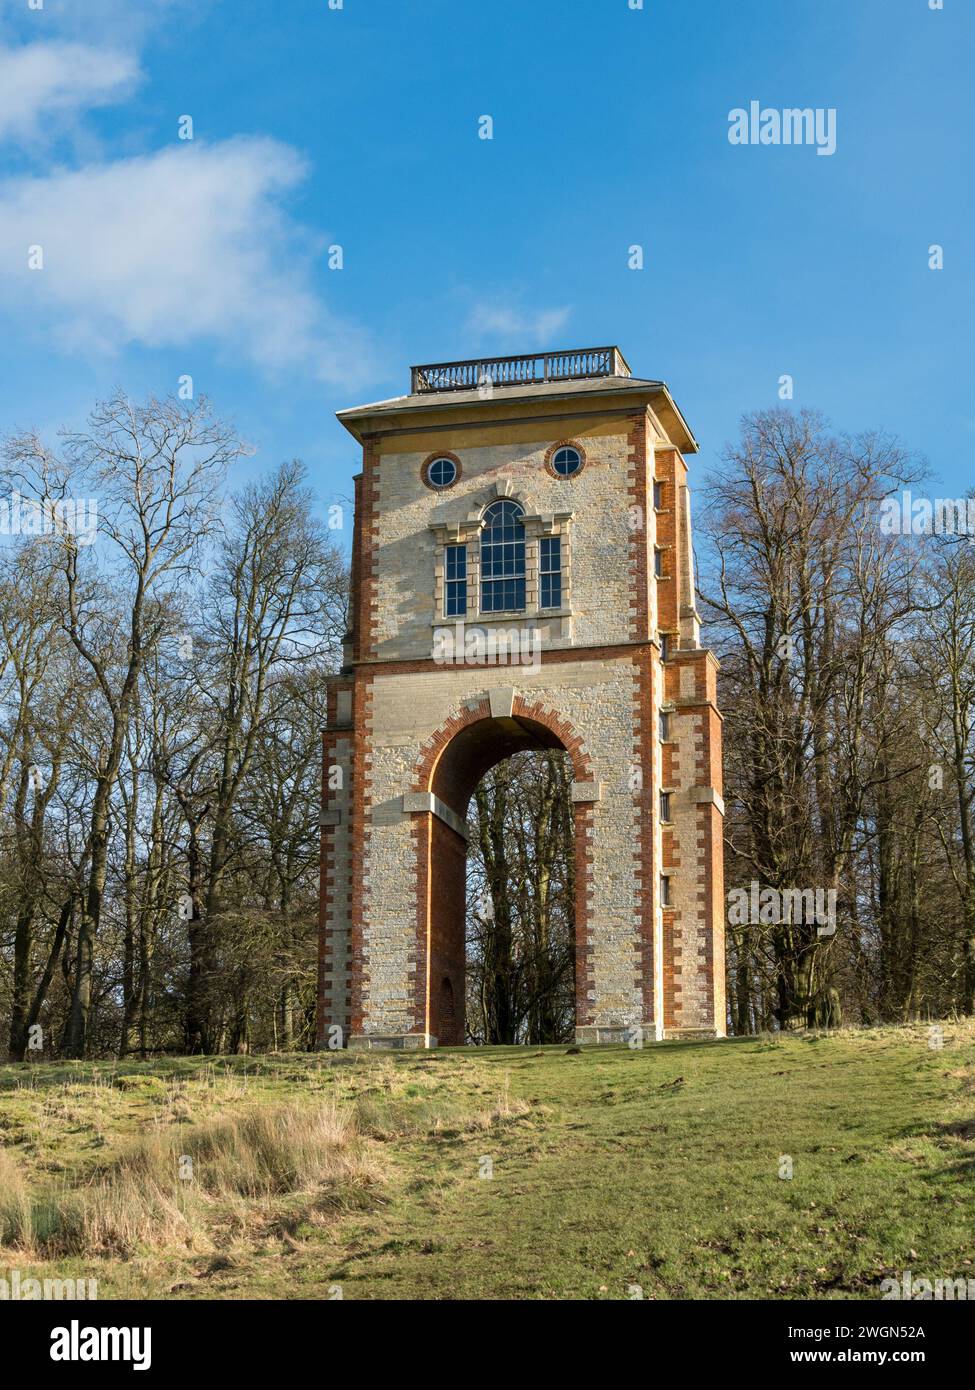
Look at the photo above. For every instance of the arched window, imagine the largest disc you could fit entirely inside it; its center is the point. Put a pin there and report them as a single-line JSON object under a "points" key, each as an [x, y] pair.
{"points": [[503, 559]]}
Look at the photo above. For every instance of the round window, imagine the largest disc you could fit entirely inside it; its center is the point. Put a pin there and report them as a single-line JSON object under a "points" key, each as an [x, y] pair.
{"points": [[441, 472], [566, 461]]}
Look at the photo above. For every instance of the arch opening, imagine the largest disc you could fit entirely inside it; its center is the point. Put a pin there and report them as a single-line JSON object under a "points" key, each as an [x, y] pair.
{"points": [[520, 929], [503, 928], [480, 746]]}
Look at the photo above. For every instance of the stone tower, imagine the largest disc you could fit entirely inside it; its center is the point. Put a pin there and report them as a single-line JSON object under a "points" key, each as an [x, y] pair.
{"points": [[522, 578]]}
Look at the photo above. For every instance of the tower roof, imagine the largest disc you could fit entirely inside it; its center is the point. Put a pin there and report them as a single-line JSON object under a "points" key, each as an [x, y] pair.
{"points": [[571, 375], [533, 369]]}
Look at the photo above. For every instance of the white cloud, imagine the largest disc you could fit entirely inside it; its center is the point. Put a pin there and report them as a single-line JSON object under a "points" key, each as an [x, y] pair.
{"points": [[127, 21], [498, 320], [42, 84], [185, 245]]}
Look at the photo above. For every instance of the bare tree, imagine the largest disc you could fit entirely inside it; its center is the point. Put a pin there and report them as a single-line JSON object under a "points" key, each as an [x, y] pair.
{"points": [[153, 471], [945, 653], [521, 923], [806, 595], [276, 600]]}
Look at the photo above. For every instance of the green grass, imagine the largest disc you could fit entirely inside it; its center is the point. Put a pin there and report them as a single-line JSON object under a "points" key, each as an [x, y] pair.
{"points": [[613, 1170]]}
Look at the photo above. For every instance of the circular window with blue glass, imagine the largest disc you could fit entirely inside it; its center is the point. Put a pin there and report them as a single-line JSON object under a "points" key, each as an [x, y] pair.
{"points": [[565, 460], [441, 471]]}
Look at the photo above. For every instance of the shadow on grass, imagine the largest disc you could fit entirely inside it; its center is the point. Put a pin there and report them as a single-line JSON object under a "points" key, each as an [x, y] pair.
{"points": [[290, 1065], [948, 1136]]}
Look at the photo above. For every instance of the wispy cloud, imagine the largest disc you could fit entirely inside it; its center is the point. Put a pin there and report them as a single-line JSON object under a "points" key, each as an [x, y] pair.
{"points": [[43, 85], [188, 245], [127, 21], [537, 327], [185, 245]]}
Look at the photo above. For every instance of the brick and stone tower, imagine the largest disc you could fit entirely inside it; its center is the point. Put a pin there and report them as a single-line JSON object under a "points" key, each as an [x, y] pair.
{"points": [[537, 505]]}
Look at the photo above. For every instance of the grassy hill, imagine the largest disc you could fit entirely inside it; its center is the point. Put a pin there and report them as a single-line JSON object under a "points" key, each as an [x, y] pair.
{"points": [[499, 1172]]}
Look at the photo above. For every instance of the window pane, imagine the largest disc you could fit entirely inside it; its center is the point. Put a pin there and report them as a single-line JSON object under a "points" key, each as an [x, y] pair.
{"points": [[441, 472], [455, 575], [550, 556], [551, 591], [549, 569], [502, 558]]}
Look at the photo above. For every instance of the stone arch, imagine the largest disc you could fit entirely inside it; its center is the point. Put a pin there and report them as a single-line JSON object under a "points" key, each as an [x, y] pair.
{"points": [[451, 763], [505, 490], [500, 709]]}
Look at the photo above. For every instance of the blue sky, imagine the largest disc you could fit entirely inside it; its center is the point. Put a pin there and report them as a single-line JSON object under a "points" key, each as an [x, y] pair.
{"points": [[358, 127]]}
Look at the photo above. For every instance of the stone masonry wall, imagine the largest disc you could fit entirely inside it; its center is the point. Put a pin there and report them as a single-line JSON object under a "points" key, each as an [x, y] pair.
{"points": [[405, 549], [597, 699], [392, 876]]}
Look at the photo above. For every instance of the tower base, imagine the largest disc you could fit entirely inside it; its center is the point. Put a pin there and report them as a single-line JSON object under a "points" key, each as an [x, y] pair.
{"points": [[392, 1042]]}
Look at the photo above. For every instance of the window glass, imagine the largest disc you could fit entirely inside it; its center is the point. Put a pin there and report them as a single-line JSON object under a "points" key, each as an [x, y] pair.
{"points": [[455, 581], [550, 572], [503, 559], [566, 461], [441, 472]]}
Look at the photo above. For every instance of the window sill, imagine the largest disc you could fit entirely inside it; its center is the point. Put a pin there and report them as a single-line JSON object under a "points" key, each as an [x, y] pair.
{"points": [[480, 619]]}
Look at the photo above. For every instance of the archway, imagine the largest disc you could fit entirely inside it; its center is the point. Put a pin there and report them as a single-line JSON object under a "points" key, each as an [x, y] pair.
{"points": [[454, 762]]}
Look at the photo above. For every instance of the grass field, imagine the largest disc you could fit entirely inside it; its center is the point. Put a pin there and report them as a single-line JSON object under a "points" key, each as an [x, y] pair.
{"points": [[499, 1172]]}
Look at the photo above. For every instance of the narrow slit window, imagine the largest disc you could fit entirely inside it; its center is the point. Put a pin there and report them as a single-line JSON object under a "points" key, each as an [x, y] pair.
{"points": [[455, 581], [664, 727], [550, 571], [658, 563], [665, 806], [664, 890], [658, 494]]}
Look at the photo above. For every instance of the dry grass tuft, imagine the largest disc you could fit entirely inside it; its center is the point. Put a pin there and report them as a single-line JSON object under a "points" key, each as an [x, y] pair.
{"points": [[505, 1109], [170, 1189]]}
